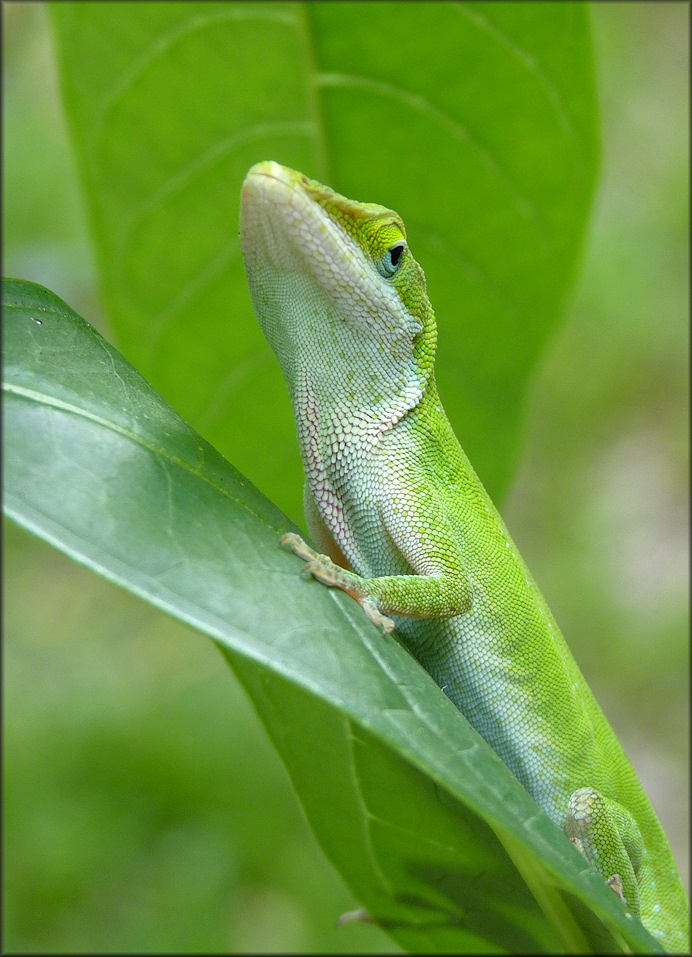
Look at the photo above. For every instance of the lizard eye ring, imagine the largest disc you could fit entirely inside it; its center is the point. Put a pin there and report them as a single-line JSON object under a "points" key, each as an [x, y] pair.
{"points": [[389, 263]]}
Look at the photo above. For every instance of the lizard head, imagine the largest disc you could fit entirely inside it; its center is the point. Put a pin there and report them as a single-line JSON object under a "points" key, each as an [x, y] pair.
{"points": [[335, 287]]}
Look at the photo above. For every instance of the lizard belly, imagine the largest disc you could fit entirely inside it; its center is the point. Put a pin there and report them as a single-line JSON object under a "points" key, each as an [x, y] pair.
{"points": [[504, 663], [485, 681]]}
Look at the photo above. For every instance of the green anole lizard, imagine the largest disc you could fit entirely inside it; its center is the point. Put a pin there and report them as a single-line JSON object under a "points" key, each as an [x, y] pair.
{"points": [[409, 531]]}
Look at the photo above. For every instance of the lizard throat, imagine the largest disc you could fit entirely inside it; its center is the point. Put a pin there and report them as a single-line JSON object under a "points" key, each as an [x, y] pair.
{"points": [[337, 438]]}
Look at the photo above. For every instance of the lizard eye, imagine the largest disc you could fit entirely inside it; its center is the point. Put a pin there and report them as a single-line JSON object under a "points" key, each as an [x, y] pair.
{"points": [[389, 263]]}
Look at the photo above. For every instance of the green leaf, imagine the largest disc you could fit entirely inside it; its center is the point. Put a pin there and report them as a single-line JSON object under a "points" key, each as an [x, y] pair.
{"points": [[475, 121], [431, 831]]}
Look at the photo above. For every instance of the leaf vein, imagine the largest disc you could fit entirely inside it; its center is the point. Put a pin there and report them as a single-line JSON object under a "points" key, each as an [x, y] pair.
{"points": [[191, 289], [161, 44], [157, 451], [423, 106], [528, 60], [179, 180]]}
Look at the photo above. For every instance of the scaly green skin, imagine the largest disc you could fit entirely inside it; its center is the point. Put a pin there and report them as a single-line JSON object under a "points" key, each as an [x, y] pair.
{"points": [[390, 495]]}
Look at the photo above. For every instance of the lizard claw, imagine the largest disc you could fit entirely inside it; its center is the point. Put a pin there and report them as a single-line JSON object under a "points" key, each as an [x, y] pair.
{"points": [[298, 546], [615, 884], [375, 615]]}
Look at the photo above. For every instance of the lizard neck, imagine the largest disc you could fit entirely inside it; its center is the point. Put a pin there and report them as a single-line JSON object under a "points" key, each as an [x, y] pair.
{"points": [[342, 416], [354, 404]]}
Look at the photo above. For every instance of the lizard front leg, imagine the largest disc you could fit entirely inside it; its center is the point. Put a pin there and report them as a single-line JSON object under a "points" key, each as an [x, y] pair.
{"points": [[413, 596]]}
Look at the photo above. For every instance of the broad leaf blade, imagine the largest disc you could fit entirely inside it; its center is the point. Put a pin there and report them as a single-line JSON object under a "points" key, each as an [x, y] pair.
{"points": [[424, 821], [476, 122]]}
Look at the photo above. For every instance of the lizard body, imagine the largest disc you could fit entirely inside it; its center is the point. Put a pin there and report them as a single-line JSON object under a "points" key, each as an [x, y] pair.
{"points": [[410, 532]]}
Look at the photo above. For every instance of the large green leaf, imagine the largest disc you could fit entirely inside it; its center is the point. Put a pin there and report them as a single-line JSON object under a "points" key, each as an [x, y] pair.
{"points": [[428, 827], [475, 121]]}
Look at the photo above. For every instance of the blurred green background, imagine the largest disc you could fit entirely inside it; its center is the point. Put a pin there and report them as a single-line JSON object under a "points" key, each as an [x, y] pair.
{"points": [[144, 808]]}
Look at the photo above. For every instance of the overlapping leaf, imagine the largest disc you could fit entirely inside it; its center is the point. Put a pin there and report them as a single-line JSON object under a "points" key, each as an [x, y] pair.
{"points": [[428, 827]]}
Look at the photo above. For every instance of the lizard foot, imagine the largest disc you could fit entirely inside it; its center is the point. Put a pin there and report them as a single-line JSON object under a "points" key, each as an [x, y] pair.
{"points": [[615, 884], [319, 566], [324, 570], [606, 834]]}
